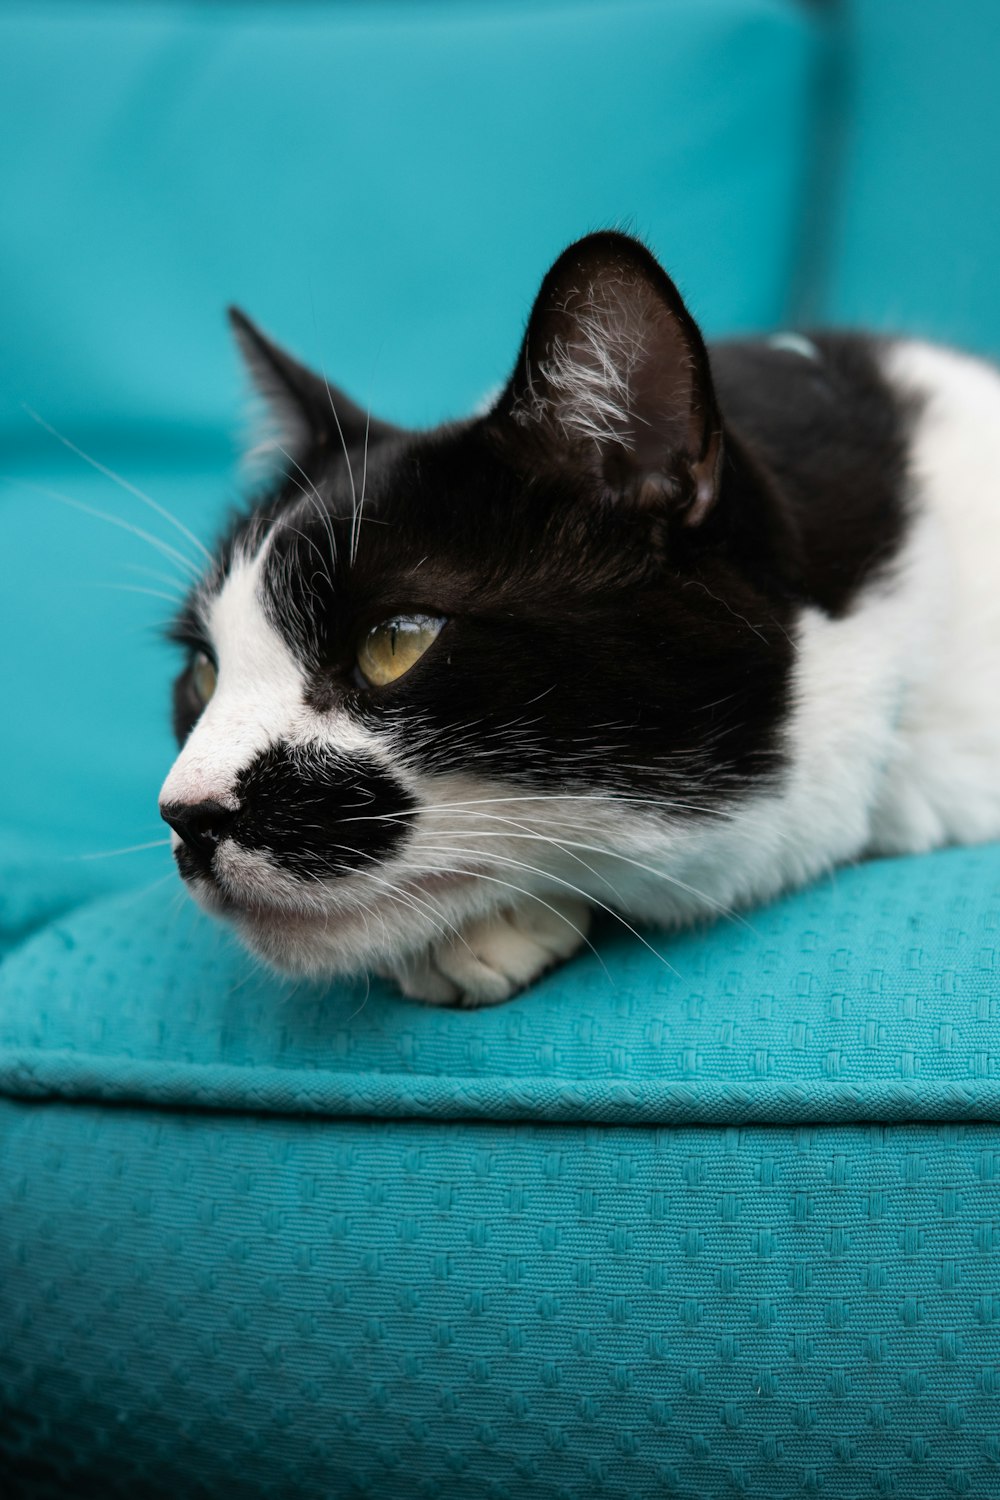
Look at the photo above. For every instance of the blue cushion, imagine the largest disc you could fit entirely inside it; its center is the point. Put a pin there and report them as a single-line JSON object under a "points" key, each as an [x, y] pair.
{"points": [[723, 1223], [719, 1218], [871, 996], [916, 237], [382, 185]]}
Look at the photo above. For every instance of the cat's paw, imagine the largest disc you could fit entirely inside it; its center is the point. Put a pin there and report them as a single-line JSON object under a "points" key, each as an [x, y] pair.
{"points": [[491, 958]]}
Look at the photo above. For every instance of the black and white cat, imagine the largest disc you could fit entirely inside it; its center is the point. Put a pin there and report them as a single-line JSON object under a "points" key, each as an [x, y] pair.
{"points": [[664, 632]]}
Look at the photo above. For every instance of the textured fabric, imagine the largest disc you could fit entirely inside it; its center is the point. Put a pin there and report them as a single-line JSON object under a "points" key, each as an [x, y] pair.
{"points": [[210, 1306], [720, 1221], [914, 228], [875, 995], [262, 1296], [382, 185]]}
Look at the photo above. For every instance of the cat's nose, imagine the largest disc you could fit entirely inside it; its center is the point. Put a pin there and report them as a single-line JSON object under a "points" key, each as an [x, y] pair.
{"points": [[199, 824]]}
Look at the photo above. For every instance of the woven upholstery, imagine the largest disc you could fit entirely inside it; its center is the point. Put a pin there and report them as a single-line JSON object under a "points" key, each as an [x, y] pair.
{"points": [[719, 1219], [731, 1225]]}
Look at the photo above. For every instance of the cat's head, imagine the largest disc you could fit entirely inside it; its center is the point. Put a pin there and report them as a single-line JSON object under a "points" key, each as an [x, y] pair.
{"points": [[432, 670]]}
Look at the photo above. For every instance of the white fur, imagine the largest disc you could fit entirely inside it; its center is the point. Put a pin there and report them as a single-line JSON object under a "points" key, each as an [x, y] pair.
{"points": [[259, 698], [795, 343], [894, 740], [587, 394], [893, 745], [943, 785]]}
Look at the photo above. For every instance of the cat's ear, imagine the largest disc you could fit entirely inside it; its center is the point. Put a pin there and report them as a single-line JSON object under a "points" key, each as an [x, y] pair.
{"points": [[613, 384], [303, 413]]}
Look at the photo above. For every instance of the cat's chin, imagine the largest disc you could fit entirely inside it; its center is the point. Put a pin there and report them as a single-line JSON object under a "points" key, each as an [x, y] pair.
{"points": [[306, 945], [323, 940]]}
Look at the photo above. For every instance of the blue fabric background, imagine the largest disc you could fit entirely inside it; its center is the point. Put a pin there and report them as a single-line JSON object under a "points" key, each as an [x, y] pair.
{"points": [[915, 221], [383, 185], [721, 1222]]}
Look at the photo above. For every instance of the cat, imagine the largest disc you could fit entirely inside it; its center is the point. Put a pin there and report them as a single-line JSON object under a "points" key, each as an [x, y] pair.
{"points": [[663, 632]]}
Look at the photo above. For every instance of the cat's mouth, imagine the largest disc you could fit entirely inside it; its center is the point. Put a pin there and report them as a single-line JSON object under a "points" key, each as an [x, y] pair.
{"points": [[302, 910], [338, 924]]}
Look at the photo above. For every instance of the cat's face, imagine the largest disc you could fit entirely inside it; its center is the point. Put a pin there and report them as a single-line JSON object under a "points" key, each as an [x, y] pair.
{"points": [[430, 671]]}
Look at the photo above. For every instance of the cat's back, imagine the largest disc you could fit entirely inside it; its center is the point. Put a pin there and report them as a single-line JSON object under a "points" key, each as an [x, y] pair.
{"points": [[866, 435], [949, 774], [888, 453]]}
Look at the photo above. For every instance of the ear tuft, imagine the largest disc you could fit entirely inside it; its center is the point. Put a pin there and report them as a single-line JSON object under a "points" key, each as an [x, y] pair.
{"points": [[582, 386], [613, 382]]}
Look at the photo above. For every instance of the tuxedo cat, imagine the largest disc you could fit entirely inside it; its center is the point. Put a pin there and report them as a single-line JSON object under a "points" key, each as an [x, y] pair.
{"points": [[664, 632]]}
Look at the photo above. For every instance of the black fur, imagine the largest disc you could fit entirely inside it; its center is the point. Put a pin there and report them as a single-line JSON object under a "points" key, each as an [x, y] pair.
{"points": [[832, 440], [313, 813], [620, 613]]}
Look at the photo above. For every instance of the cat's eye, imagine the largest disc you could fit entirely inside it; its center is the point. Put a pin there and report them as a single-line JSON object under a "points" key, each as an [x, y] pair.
{"points": [[203, 676], [392, 648]]}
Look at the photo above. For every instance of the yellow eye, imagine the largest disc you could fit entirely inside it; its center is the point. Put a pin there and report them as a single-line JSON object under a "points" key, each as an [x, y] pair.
{"points": [[393, 647], [203, 676]]}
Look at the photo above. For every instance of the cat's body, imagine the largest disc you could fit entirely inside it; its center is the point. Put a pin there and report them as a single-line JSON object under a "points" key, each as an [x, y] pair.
{"points": [[667, 638], [893, 735]]}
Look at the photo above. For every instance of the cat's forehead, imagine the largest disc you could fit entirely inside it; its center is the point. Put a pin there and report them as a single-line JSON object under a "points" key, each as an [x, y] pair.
{"points": [[436, 523], [338, 540]]}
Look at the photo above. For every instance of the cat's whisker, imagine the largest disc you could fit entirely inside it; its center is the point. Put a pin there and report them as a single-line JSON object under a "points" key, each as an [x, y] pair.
{"points": [[114, 853], [343, 444], [125, 484], [286, 525], [463, 809], [101, 515], [721, 908], [321, 508], [568, 884], [417, 904], [530, 834], [533, 896], [368, 992], [356, 526], [665, 804], [135, 588], [157, 574]]}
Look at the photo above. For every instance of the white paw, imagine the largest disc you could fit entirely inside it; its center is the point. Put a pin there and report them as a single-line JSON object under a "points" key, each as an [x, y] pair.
{"points": [[491, 958]]}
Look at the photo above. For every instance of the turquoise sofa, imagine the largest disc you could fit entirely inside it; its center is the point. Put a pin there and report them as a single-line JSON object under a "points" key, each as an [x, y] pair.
{"points": [[719, 1219]]}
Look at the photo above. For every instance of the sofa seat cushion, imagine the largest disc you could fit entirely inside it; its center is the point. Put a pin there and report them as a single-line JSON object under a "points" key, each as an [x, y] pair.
{"points": [[873, 996], [729, 1225]]}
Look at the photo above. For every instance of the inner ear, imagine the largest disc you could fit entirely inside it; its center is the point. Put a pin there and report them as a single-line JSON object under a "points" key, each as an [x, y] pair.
{"points": [[613, 381], [305, 417]]}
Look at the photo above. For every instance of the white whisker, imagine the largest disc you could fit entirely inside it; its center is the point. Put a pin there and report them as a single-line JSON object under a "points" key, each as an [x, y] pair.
{"points": [[102, 515], [135, 588], [532, 895], [568, 845], [356, 524], [129, 849], [125, 484], [568, 885]]}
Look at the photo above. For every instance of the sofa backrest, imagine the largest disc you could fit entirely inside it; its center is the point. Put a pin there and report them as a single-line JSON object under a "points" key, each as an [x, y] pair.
{"points": [[381, 185]]}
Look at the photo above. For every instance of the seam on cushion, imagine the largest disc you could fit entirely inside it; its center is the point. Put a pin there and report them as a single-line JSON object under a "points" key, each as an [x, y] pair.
{"points": [[36, 1074]]}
